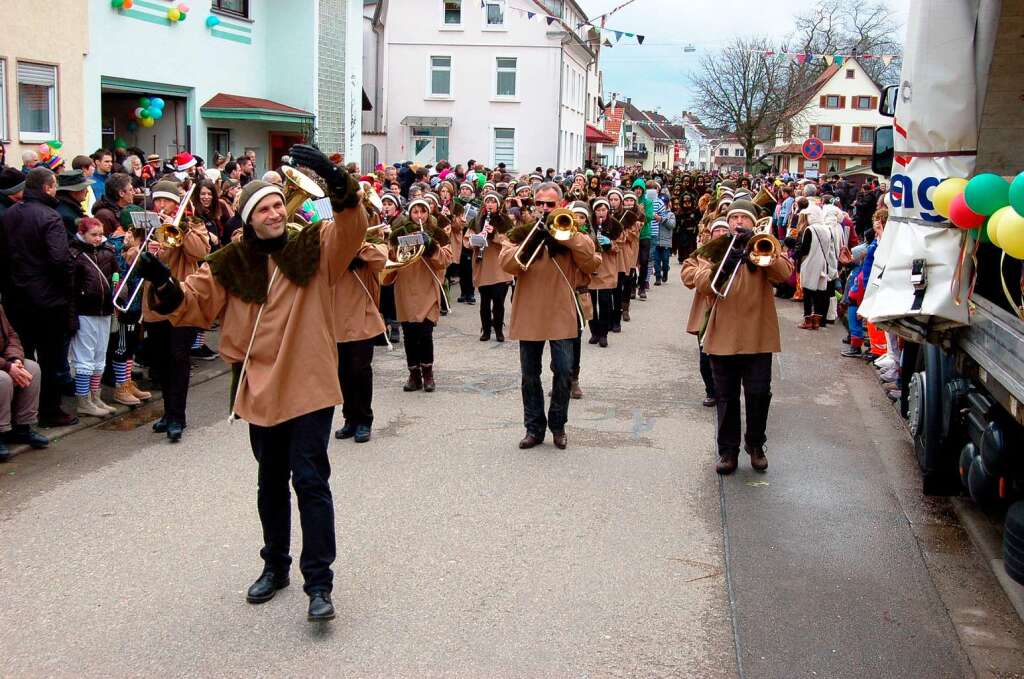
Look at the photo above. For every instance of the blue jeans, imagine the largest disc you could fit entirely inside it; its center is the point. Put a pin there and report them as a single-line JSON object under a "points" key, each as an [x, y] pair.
{"points": [[530, 355], [856, 327], [662, 255]]}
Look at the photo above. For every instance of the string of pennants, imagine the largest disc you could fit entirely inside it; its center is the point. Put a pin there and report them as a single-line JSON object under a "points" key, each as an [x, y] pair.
{"points": [[608, 33], [829, 59]]}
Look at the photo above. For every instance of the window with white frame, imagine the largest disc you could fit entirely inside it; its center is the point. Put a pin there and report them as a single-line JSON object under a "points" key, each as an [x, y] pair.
{"points": [[3, 100], [452, 12], [494, 13], [506, 76], [440, 76], [862, 103], [825, 133], [866, 135], [37, 102], [505, 146]]}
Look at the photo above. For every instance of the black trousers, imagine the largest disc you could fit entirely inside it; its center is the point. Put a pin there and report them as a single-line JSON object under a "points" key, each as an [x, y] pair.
{"points": [[530, 356], [388, 311], [642, 262], [707, 375], [355, 374], [754, 373], [44, 335], [419, 343], [492, 306], [816, 301], [627, 283], [466, 274], [617, 303], [168, 349], [297, 449], [603, 306]]}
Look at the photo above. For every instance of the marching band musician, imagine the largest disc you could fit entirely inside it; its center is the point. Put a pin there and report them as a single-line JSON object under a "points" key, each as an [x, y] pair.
{"points": [[467, 199], [357, 323], [700, 307], [418, 292], [741, 334], [168, 347], [632, 222], [392, 210], [272, 292], [606, 279], [545, 309], [488, 277]]}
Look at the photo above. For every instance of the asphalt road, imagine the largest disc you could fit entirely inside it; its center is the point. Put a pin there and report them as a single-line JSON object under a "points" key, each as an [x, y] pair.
{"points": [[460, 555]]}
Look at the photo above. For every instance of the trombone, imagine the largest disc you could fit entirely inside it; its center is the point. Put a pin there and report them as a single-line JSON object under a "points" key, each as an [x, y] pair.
{"points": [[762, 250], [559, 224], [169, 234]]}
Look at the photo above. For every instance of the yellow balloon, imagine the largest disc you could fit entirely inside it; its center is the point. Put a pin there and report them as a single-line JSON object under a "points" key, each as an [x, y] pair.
{"points": [[995, 222], [945, 192], [1011, 235], [174, 14]]}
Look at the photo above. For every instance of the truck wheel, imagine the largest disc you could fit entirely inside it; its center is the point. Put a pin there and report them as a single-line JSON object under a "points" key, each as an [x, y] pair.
{"points": [[983, 485], [1013, 542], [966, 458], [925, 417]]}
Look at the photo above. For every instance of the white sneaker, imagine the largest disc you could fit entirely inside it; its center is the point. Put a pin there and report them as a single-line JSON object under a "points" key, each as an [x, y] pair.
{"points": [[891, 375], [885, 362]]}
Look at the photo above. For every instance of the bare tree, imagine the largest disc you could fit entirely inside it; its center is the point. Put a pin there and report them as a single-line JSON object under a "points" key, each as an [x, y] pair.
{"points": [[849, 27], [749, 89]]}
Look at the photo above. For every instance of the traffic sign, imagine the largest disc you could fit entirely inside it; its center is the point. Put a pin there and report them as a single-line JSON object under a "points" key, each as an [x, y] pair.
{"points": [[811, 169], [813, 148]]}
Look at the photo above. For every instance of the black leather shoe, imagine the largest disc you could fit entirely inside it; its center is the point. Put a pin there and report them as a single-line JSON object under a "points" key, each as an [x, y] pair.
{"points": [[485, 335], [346, 432], [530, 440], [362, 433], [174, 431], [499, 336], [602, 342], [160, 426], [471, 301], [23, 433], [592, 340], [560, 440], [320, 607], [710, 402], [265, 587]]}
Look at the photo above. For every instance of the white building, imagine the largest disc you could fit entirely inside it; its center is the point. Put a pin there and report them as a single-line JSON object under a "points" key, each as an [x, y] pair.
{"points": [[462, 79], [840, 109], [234, 75], [699, 142], [728, 154]]}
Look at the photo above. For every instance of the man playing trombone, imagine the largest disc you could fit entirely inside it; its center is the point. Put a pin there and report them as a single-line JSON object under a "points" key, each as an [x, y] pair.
{"points": [[742, 329]]}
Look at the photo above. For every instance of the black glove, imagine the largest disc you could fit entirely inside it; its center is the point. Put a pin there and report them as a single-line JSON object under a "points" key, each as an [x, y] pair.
{"points": [[341, 188], [153, 270], [743, 237], [356, 264], [734, 257]]}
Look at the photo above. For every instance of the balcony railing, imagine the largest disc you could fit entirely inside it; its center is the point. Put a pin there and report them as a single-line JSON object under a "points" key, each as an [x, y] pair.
{"points": [[637, 150]]}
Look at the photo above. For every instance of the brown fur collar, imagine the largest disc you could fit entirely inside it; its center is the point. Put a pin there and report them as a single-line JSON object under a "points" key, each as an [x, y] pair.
{"points": [[243, 272]]}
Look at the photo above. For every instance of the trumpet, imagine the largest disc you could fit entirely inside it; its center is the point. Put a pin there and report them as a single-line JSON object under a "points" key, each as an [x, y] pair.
{"points": [[559, 224], [298, 188], [410, 248], [168, 234], [762, 250]]}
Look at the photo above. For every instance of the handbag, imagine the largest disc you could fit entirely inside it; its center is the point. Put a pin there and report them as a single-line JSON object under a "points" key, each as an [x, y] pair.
{"points": [[920, 279]]}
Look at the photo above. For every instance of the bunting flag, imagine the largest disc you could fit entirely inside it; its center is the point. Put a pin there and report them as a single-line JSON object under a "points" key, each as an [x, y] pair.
{"points": [[886, 59], [838, 59], [530, 15], [639, 39], [829, 59], [618, 35], [551, 19], [605, 33], [801, 59]]}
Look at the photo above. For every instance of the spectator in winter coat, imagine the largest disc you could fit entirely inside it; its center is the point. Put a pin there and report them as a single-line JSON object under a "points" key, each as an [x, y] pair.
{"points": [[12, 184], [93, 269], [71, 189], [19, 392], [37, 283], [119, 194]]}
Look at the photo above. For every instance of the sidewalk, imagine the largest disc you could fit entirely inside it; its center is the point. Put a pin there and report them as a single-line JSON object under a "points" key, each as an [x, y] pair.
{"points": [[128, 417]]}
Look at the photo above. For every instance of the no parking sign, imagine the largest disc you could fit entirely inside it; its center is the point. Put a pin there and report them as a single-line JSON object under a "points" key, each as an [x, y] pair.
{"points": [[813, 148]]}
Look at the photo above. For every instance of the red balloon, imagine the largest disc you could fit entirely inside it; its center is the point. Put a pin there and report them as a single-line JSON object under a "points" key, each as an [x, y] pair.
{"points": [[963, 216]]}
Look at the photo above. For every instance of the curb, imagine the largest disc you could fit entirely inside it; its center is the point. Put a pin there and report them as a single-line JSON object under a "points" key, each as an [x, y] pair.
{"points": [[988, 538], [88, 422]]}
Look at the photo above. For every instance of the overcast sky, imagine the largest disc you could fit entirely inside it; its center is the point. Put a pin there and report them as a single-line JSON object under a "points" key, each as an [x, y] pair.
{"points": [[656, 74]]}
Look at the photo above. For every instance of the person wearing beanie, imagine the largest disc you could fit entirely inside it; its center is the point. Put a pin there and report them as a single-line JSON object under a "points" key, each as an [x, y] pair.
{"points": [[632, 219], [605, 280], [94, 274], [170, 346], [700, 307], [419, 292], [488, 277], [546, 308], [741, 334], [818, 254], [273, 292], [646, 206], [467, 198]]}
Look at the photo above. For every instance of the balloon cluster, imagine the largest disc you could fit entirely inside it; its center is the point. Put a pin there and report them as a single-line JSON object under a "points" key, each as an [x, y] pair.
{"points": [[146, 113], [989, 202], [122, 4], [212, 21], [178, 13], [49, 149]]}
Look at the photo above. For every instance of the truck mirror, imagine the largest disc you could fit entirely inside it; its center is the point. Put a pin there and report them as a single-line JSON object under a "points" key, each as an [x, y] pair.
{"points": [[882, 153], [887, 102]]}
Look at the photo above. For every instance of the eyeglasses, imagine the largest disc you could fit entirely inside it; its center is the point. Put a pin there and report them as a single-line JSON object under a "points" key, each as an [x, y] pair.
{"points": [[546, 203]]}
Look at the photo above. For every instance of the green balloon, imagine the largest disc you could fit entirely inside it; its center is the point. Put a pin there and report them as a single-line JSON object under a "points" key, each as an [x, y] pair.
{"points": [[1017, 194], [144, 102], [986, 193], [116, 4]]}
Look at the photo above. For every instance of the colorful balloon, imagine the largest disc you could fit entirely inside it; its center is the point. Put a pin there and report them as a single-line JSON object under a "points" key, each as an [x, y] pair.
{"points": [[986, 193], [1011, 235], [55, 144], [116, 4], [157, 102], [212, 21], [963, 216], [147, 122], [144, 102], [144, 114], [137, 112], [183, 8], [994, 223], [132, 126], [173, 14], [156, 113], [945, 192], [1016, 193], [128, 4]]}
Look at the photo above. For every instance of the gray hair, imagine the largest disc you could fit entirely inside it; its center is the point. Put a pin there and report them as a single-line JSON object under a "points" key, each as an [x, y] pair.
{"points": [[810, 190], [549, 186], [29, 157], [272, 177]]}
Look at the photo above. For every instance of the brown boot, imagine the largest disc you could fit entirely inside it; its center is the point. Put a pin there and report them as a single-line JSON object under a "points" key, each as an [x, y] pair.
{"points": [[757, 458], [816, 320], [808, 323], [574, 389], [428, 378], [727, 463], [625, 310], [124, 396], [415, 382], [138, 393]]}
